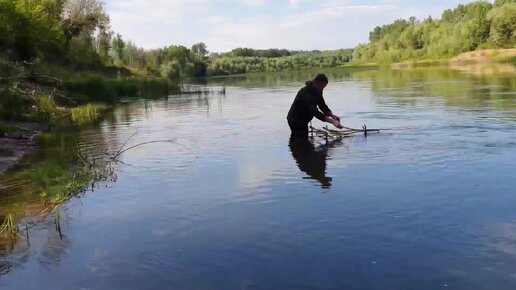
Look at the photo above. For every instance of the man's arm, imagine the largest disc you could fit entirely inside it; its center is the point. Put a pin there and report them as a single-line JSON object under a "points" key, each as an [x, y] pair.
{"points": [[322, 105], [316, 113], [328, 119], [320, 115]]}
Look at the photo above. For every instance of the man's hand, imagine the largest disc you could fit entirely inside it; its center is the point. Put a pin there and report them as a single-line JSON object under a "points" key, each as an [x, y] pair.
{"points": [[335, 117], [333, 121], [337, 124]]}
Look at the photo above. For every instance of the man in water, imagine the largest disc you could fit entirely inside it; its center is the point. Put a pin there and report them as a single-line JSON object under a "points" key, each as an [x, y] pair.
{"points": [[304, 108]]}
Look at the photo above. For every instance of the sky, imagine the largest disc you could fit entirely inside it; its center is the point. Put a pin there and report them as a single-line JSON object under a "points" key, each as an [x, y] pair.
{"points": [[291, 24]]}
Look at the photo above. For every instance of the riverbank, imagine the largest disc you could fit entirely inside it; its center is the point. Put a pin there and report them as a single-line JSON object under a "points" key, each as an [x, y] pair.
{"points": [[17, 140], [477, 57], [33, 102]]}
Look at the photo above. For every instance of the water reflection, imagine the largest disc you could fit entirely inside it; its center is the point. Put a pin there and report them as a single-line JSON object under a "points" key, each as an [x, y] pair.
{"points": [[451, 152], [454, 88], [311, 159], [259, 80]]}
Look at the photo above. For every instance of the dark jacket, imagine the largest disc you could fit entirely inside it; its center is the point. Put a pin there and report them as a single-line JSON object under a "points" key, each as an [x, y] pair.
{"points": [[304, 107]]}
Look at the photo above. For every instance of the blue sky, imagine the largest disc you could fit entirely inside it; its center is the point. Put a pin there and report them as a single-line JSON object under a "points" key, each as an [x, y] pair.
{"points": [[292, 24]]}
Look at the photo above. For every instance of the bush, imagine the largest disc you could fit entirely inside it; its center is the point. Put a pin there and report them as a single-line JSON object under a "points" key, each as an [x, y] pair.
{"points": [[46, 108], [12, 101], [110, 90], [84, 115]]}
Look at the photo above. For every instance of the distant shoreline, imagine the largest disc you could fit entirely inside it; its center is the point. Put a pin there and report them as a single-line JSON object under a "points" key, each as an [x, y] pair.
{"points": [[478, 57]]}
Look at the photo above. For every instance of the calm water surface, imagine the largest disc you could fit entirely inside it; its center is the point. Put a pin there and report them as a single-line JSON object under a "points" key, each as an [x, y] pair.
{"points": [[428, 205]]}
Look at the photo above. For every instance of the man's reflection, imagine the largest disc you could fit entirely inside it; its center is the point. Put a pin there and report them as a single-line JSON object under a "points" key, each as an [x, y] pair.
{"points": [[311, 159]]}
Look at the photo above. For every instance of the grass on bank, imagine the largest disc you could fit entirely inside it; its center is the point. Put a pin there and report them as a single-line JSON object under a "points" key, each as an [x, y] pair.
{"points": [[77, 100], [484, 56], [56, 181], [98, 89]]}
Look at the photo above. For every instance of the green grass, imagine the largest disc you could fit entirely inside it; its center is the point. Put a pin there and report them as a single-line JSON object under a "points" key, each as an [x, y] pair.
{"points": [[46, 109], [8, 228], [84, 115], [12, 101], [54, 180], [71, 72], [98, 89]]}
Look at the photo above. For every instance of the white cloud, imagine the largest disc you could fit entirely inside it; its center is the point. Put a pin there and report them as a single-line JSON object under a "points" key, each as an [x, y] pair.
{"points": [[326, 28], [254, 2], [157, 10], [226, 24], [150, 23]]}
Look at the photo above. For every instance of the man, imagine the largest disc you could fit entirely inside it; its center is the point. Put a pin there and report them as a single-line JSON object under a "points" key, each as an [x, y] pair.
{"points": [[304, 108]]}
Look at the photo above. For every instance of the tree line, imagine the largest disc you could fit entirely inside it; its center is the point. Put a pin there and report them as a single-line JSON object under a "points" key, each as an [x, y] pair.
{"points": [[229, 64], [179, 61], [78, 33], [477, 25], [55, 30]]}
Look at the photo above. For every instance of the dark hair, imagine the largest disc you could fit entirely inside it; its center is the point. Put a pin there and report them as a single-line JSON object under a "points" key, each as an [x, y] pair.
{"points": [[321, 78]]}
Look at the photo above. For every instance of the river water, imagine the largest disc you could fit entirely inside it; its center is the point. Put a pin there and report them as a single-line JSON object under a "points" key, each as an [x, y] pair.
{"points": [[429, 204]]}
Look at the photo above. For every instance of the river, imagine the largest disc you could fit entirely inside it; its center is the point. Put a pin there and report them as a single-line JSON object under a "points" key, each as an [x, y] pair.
{"points": [[228, 204]]}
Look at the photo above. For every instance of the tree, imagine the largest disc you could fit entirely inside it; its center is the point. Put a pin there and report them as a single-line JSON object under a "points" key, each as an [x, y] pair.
{"points": [[503, 25], [376, 34], [83, 17], [413, 20], [498, 3], [468, 27], [199, 50], [117, 48], [103, 43], [30, 28]]}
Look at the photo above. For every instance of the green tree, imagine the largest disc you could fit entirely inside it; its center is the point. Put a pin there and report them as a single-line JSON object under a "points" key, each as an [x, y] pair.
{"points": [[30, 28], [117, 49], [503, 25], [502, 2], [103, 44], [83, 17], [468, 27], [199, 50]]}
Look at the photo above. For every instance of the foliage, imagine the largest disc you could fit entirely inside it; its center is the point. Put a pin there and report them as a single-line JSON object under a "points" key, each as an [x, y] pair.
{"points": [[8, 228], [477, 25], [249, 52], [85, 114], [53, 179], [503, 25], [46, 108], [74, 31], [30, 28], [12, 103], [245, 64], [117, 49], [100, 89], [76, 35]]}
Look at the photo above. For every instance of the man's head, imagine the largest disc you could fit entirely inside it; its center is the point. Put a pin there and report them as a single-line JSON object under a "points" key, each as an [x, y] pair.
{"points": [[320, 81]]}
